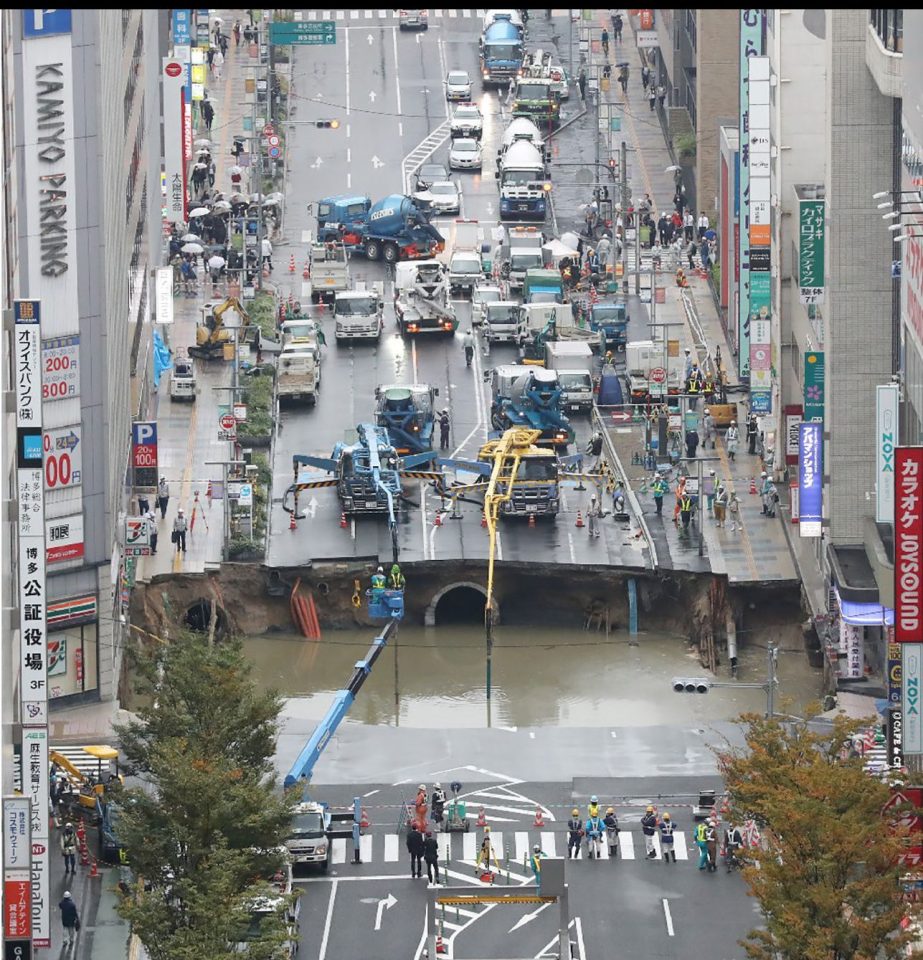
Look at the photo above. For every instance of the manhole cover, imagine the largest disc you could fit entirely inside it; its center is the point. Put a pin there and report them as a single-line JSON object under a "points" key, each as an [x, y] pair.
{"points": [[584, 176]]}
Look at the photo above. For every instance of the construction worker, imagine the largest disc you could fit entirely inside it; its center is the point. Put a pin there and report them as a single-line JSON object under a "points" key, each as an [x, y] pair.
{"points": [[69, 848], [437, 802], [701, 834], [444, 430], [765, 492], [486, 854], [593, 514], [535, 862], [594, 448], [731, 439], [685, 510], [733, 841], [720, 505], [709, 427], [420, 805], [595, 829], [711, 485], [711, 844], [649, 828], [378, 583], [658, 489], [681, 278], [396, 580], [666, 838], [592, 809], [574, 834], [611, 823], [694, 385], [680, 491]]}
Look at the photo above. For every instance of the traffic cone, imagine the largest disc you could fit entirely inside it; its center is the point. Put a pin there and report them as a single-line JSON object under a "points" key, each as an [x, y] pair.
{"points": [[94, 869], [483, 519], [291, 263], [364, 822], [579, 522], [208, 492], [306, 273], [343, 522], [539, 818], [440, 946], [437, 519], [753, 485], [292, 525], [482, 817]]}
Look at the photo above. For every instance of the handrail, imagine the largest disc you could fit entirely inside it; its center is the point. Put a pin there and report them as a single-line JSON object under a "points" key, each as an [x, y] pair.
{"points": [[614, 461]]}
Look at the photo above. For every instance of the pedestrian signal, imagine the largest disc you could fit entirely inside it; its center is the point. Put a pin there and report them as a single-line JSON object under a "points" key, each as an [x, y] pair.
{"points": [[327, 124], [691, 685]]}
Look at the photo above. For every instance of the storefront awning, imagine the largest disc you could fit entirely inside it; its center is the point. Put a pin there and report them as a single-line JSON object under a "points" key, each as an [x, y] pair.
{"points": [[865, 614]]}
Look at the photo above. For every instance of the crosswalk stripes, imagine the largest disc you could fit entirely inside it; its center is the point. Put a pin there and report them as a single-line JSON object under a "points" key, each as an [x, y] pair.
{"points": [[315, 15], [514, 846]]}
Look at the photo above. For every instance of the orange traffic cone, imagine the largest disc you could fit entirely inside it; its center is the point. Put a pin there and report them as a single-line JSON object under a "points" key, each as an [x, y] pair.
{"points": [[482, 817], [725, 806], [437, 519], [306, 273], [483, 519], [579, 522], [531, 519], [753, 485], [440, 946], [539, 818], [291, 263], [94, 869], [343, 522], [364, 822], [208, 493], [292, 525]]}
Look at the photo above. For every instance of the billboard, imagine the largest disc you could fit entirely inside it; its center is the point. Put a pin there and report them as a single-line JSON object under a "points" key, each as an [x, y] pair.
{"points": [[810, 478], [886, 439], [173, 75], [61, 368], [811, 235], [752, 44], [814, 386], [64, 539], [908, 544], [912, 654], [144, 452]]}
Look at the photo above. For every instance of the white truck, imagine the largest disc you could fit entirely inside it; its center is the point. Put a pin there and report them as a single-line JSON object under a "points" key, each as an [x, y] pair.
{"points": [[298, 373], [525, 254], [501, 321], [644, 356], [421, 298], [308, 843], [482, 295], [465, 270], [573, 361], [522, 181], [359, 313], [329, 271], [183, 379]]}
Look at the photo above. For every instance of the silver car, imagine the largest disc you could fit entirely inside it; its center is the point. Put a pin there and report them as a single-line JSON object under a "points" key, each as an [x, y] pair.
{"points": [[465, 154], [457, 85], [441, 197]]}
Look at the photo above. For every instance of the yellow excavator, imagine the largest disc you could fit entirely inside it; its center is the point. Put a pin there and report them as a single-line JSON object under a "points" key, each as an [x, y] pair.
{"points": [[85, 790], [213, 334]]}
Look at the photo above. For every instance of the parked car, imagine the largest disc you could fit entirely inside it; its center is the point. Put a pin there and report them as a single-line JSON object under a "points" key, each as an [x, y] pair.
{"points": [[465, 154], [418, 19], [442, 197], [457, 85]]}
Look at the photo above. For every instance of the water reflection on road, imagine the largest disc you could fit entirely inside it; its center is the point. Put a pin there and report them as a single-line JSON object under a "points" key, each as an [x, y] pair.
{"points": [[541, 676]]}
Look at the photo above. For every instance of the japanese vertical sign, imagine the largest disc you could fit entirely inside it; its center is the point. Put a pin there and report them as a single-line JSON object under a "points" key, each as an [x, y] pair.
{"points": [[811, 478], [908, 544], [174, 160], [17, 869], [752, 44], [33, 683], [886, 439], [811, 232], [814, 387], [760, 216], [912, 655]]}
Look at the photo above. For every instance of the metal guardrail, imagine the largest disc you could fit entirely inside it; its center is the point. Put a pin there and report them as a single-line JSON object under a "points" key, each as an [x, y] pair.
{"points": [[614, 461]]}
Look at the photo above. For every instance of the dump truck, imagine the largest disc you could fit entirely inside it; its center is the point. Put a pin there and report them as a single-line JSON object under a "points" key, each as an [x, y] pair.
{"points": [[329, 271], [359, 313]]}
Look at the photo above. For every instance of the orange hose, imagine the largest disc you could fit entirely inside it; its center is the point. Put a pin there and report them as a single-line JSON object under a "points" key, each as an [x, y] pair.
{"points": [[312, 609], [304, 622]]}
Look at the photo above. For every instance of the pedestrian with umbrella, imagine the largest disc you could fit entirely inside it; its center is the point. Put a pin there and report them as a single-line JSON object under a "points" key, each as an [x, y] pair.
{"points": [[208, 113], [215, 268]]}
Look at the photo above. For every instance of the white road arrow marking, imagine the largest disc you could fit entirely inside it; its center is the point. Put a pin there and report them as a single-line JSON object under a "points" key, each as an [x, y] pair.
{"points": [[370, 39], [372, 95], [317, 163], [376, 163], [386, 904], [312, 506], [419, 38], [522, 921]]}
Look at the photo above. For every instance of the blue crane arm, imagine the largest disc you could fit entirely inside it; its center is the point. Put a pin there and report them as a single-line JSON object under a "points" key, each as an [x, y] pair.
{"points": [[323, 463], [304, 763], [368, 431]]}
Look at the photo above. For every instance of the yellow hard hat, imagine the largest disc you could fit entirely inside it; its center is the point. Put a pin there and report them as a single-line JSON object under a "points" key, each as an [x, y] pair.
{"points": [[650, 809], [486, 829], [575, 812], [610, 810], [666, 816]]}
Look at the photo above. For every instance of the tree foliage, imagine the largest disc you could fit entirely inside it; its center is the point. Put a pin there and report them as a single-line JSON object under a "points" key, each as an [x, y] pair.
{"points": [[207, 824], [827, 873]]}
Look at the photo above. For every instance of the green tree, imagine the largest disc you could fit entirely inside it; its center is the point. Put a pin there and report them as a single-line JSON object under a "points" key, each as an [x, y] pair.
{"points": [[206, 827], [827, 872]]}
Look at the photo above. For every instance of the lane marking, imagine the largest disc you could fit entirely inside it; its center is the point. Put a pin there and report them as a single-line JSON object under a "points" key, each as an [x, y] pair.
{"points": [[365, 848], [346, 46], [668, 916], [338, 850], [469, 846], [522, 844], [549, 843], [328, 922], [371, 793], [626, 846], [392, 851]]}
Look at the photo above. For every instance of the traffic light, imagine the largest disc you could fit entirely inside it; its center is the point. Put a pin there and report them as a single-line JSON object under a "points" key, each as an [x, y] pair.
{"points": [[327, 124], [691, 685]]}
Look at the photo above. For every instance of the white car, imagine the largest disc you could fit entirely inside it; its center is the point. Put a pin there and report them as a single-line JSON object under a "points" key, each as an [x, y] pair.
{"points": [[465, 154], [457, 85], [481, 296], [441, 197], [467, 121], [413, 18]]}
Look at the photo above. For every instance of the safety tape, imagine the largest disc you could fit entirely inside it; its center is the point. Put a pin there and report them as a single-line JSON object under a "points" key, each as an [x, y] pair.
{"points": [[422, 474], [314, 484]]}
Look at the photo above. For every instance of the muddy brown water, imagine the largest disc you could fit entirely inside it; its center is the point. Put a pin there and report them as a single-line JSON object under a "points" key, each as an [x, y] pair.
{"points": [[540, 676]]}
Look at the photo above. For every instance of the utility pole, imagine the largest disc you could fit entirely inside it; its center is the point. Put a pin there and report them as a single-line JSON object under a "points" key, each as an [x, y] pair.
{"points": [[623, 173], [771, 661]]}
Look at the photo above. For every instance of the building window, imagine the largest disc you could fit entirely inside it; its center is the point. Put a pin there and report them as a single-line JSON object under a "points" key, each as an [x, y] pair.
{"points": [[889, 25], [689, 22], [72, 660]]}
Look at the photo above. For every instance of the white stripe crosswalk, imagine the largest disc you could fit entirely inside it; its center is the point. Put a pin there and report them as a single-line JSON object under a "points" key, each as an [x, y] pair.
{"points": [[513, 847], [316, 15]]}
